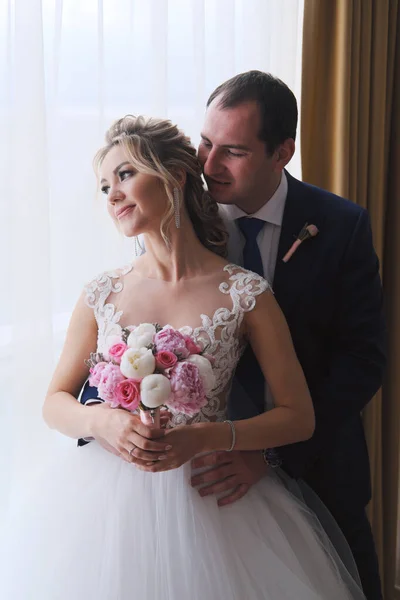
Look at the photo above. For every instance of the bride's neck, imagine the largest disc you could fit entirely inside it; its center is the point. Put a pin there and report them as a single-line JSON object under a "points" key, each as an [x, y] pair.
{"points": [[185, 257]]}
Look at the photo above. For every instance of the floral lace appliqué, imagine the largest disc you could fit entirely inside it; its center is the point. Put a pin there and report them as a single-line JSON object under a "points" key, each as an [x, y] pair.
{"points": [[97, 292]]}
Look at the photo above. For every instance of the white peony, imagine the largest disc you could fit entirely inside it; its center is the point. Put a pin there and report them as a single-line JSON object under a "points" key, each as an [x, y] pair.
{"points": [[155, 390], [142, 335], [205, 370], [136, 364]]}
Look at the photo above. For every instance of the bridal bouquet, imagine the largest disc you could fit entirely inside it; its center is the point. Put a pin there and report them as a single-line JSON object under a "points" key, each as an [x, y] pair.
{"points": [[149, 366]]}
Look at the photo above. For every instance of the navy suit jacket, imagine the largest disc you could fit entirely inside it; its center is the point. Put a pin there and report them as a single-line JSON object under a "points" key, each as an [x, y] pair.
{"points": [[330, 293]]}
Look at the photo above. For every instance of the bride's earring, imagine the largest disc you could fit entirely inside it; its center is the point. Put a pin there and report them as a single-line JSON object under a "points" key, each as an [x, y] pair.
{"points": [[177, 212]]}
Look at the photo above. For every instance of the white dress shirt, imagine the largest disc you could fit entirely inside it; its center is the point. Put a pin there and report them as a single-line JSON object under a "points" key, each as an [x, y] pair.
{"points": [[267, 239]]}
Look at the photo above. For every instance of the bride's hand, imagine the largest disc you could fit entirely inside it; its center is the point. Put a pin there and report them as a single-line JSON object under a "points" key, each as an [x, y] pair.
{"points": [[123, 433], [186, 440]]}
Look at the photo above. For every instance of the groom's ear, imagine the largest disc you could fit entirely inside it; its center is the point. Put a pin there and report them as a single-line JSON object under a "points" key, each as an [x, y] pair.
{"points": [[284, 154]]}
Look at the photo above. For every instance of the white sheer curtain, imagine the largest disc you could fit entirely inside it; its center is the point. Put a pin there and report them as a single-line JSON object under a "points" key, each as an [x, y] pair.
{"points": [[67, 69]]}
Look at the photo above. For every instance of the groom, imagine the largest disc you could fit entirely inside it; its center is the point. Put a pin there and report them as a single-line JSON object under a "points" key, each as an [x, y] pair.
{"points": [[329, 291]]}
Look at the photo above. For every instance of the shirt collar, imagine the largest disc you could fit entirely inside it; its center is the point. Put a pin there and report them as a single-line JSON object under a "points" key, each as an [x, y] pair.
{"points": [[271, 211]]}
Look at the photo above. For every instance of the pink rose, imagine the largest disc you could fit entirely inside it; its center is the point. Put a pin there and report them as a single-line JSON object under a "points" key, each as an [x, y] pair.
{"points": [[116, 351], [110, 377], [171, 340], [95, 373], [127, 394], [191, 345], [188, 395], [165, 359]]}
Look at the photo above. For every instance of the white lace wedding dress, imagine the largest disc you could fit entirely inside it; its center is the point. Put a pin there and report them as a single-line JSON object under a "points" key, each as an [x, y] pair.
{"points": [[96, 528]]}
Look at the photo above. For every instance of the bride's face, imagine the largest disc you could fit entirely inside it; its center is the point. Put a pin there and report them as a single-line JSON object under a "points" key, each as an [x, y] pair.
{"points": [[136, 201]]}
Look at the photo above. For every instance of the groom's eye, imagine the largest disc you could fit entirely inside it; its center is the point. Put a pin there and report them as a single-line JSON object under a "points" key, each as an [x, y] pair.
{"points": [[232, 153]]}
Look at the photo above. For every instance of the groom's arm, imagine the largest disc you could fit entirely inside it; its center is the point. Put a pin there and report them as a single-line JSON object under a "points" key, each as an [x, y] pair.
{"points": [[89, 395], [358, 351]]}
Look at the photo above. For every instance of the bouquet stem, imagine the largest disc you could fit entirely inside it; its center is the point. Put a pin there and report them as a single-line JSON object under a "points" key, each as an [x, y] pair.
{"points": [[151, 417]]}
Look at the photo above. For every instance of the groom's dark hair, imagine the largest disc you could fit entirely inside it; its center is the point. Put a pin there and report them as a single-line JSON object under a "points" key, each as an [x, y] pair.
{"points": [[277, 103]]}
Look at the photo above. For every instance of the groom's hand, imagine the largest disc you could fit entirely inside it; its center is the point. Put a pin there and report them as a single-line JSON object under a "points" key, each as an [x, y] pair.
{"points": [[232, 472]]}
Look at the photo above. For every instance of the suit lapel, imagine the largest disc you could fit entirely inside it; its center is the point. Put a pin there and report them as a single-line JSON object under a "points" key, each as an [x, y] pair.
{"points": [[291, 278]]}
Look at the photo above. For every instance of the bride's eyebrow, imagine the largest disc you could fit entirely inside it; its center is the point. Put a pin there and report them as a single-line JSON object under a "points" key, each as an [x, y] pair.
{"points": [[126, 162]]}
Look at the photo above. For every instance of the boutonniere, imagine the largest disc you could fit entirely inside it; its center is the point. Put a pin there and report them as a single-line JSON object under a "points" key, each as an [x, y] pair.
{"points": [[308, 231]]}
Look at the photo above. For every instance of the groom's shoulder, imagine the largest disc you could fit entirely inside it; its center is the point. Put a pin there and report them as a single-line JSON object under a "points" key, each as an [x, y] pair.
{"points": [[326, 202]]}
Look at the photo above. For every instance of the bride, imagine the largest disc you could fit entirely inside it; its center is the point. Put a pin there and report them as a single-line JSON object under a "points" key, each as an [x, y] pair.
{"points": [[127, 524]]}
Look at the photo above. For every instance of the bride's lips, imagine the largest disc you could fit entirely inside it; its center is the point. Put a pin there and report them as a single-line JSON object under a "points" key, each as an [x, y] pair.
{"points": [[124, 211]]}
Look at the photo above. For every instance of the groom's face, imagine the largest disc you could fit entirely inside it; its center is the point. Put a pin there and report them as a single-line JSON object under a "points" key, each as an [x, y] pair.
{"points": [[236, 165]]}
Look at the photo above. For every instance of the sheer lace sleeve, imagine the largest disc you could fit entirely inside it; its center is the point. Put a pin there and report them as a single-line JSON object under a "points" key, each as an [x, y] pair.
{"points": [[243, 286], [97, 294], [99, 289]]}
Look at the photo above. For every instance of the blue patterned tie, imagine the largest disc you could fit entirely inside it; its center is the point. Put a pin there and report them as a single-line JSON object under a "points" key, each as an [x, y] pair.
{"points": [[248, 371]]}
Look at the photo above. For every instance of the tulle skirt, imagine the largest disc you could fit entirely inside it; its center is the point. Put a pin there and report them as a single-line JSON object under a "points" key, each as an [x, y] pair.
{"points": [[96, 528]]}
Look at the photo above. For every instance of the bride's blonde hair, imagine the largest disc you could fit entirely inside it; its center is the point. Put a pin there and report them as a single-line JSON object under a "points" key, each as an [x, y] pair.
{"points": [[157, 147]]}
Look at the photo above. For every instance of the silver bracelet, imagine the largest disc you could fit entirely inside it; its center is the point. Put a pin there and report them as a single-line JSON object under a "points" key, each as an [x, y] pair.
{"points": [[232, 426]]}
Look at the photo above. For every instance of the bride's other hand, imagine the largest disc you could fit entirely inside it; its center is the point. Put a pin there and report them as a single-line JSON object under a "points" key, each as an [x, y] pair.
{"points": [[186, 440]]}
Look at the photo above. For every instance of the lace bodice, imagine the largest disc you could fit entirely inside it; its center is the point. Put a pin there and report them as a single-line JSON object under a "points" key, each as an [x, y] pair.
{"points": [[222, 332]]}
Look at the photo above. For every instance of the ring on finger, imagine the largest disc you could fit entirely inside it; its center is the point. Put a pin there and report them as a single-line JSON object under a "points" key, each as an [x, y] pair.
{"points": [[132, 450]]}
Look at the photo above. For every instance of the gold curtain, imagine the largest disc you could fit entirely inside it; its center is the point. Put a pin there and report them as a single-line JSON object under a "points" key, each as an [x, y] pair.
{"points": [[350, 132]]}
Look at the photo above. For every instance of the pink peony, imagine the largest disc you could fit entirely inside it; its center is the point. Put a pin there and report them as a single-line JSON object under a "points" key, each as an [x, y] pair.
{"points": [[191, 345], [109, 379], [95, 373], [171, 340], [165, 359], [127, 394], [188, 395], [116, 351]]}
